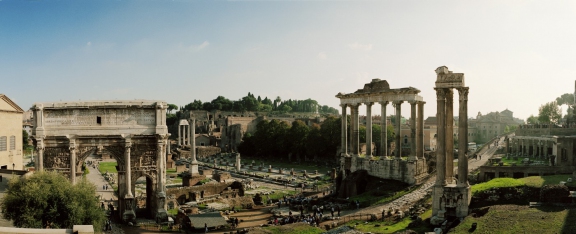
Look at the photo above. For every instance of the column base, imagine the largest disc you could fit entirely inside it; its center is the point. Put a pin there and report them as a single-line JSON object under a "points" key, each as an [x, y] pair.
{"points": [[129, 216], [161, 216]]}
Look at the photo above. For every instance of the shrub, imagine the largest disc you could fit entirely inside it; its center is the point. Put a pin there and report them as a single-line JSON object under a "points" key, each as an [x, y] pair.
{"points": [[554, 193]]}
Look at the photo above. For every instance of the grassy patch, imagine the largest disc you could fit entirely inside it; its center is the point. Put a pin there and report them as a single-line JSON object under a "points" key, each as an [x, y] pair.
{"points": [[173, 212], [539, 181], [521, 219], [389, 226], [170, 170], [278, 194], [298, 228], [497, 183], [108, 167], [389, 191]]}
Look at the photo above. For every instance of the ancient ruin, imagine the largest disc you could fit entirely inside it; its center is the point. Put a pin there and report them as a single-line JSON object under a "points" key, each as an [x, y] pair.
{"points": [[132, 132], [411, 170], [451, 196]]}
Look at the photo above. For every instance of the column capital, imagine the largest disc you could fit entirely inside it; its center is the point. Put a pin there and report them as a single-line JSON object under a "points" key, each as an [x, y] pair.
{"points": [[368, 104], [463, 92], [397, 102], [440, 94], [355, 105], [344, 105], [162, 137], [413, 102], [384, 103], [421, 102]]}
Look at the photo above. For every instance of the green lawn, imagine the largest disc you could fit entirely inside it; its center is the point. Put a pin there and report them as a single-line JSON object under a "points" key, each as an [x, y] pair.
{"points": [[532, 181], [521, 219], [297, 228], [108, 167]]}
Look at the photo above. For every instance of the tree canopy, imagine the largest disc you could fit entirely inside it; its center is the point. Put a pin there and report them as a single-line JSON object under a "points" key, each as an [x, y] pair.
{"points": [[252, 103], [48, 199], [549, 113]]}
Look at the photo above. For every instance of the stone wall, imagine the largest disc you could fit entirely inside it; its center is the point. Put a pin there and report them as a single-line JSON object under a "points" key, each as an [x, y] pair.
{"points": [[490, 172], [207, 151], [411, 172], [195, 193]]}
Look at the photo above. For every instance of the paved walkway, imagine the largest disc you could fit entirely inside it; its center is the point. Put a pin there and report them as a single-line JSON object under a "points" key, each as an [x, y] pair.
{"points": [[106, 195]]}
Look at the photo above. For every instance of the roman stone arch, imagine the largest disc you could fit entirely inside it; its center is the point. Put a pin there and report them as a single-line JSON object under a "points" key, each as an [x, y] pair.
{"points": [[134, 133]]}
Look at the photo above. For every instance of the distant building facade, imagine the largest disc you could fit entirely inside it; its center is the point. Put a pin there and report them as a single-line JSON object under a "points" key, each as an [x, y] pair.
{"points": [[11, 155]]}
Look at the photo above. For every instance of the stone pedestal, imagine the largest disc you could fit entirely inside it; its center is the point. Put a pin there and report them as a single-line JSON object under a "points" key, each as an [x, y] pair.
{"points": [[191, 180]]}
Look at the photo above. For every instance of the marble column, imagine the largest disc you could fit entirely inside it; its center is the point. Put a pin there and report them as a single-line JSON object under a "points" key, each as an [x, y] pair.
{"points": [[344, 125], [420, 131], [463, 137], [72, 148], [412, 131], [161, 165], [449, 135], [355, 132], [179, 134], [194, 162], [441, 140], [398, 105], [40, 157], [384, 130], [369, 129], [127, 169]]}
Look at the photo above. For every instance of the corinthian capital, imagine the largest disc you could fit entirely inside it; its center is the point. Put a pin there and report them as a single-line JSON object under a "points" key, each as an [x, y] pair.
{"points": [[440, 93], [463, 92]]}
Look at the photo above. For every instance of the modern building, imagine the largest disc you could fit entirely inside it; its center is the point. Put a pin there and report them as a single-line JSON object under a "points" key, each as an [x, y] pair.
{"points": [[11, 155]]}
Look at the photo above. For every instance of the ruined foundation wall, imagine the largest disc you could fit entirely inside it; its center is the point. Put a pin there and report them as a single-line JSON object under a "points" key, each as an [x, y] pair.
{"points": [[411, 172]]}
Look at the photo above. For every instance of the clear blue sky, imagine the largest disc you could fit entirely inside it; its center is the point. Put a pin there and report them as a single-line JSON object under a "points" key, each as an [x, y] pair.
{"points": [[515, 54]]}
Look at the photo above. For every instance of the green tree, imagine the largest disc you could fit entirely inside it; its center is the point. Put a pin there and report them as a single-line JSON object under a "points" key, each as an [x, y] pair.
{"points": [[24, 139], [549, 113], [49, 199], [172, 107], [297, 136], [532, 120]]}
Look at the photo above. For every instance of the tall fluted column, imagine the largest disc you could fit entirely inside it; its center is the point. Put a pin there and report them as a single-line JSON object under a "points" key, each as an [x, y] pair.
{"points": [[179, 134], [369, 129], [72, 148], [398, 105], [413, 130], [344, 125], [384, 130], [355, 132], [40, 157], [463, 137], [420, 131], [441, 142], [449, 135], [194, 162], [161, 157], [127, 169]]}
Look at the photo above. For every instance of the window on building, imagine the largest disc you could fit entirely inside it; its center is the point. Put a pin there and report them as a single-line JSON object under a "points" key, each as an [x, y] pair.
{"points": [[98, 120], [12, 142], [3, 143]]}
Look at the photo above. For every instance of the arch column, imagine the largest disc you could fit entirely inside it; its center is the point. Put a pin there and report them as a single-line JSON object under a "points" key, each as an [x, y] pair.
{"points": [[161, 214], [40, 156], [398, 105], [384, 130], [129, 213], [72, 148], [369, 129], [194, 162], [344, 131]]}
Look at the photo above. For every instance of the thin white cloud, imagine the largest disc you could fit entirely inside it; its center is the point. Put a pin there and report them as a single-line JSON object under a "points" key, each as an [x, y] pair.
{"points": [[322, 55], [358, 46], [200, 47]]}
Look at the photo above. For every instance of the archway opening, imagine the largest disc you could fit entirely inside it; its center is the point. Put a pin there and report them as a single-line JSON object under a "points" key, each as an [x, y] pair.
{"points": [[143, 195]]}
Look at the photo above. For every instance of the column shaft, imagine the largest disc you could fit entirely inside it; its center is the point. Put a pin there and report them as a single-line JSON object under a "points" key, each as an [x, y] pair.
{"points": [[40, 160], [344, 125], [160, 171], [441, 140], [179, 134], [413, 130], [73, 164], [127, 171], [420, 131], [369, 129], [355, 132], [398, 128], [463, 137], [449, 135], [384, 130]]}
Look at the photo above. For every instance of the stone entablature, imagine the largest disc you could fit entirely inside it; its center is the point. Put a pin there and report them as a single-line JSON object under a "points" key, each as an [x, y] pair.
{"points": [[132, 132]]}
